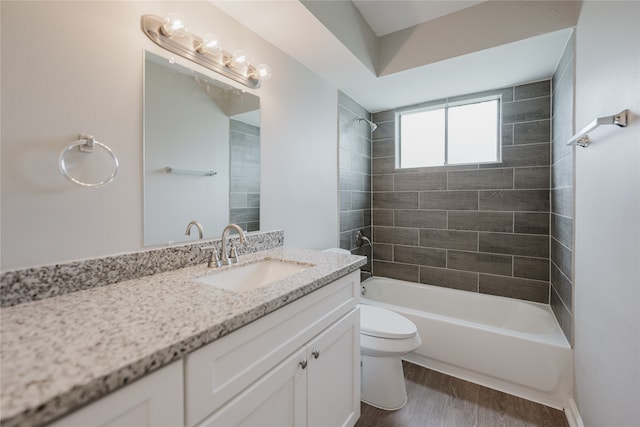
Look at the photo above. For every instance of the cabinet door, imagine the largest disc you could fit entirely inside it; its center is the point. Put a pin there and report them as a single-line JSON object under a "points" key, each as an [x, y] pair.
{"points": [[155, 400], [275, 400], [333, 380]]}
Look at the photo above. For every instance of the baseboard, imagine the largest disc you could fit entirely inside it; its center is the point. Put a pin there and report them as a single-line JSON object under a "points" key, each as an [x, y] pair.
{"points": [[572, 414]]}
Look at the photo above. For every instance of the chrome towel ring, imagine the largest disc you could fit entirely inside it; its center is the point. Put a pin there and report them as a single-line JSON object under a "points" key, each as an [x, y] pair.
{"points": [[85, 144]]}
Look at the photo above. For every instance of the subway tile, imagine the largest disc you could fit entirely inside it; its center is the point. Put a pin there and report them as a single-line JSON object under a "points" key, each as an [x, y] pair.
{"points": [[479, 262], [253, 200], [396, 236], [562, 172], [562, 201], [526, 110], [385, 130], [360, 163], [480, 179], [507, 134], [352, 181], [446, 278], [526, 155], [562, 286], [383, 148], [345, 240], [382, 182], [245, 214], [383, 217], [420, 219], [524, 289], [531, 223], [456, 200], [533, 178], [384, 116], [351, 220], [563, 316], [368, 218], [382, 165], [382, 252], [559, 148], [445, 239], [562, 229], [346, 102], [408, 272], [344, 159], [532, 90], [514, 200], [514, 244], [562, 257], [345, 201], [480, 221], [420, 181], [361, 200], [397, 200], [532, 132], [531, 268], [238, 200], [420, 256]]}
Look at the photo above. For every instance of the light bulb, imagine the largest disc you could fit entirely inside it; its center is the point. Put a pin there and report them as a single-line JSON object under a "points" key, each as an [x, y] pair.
{"points": [[174, 25], [239, 58], [210, 44], [262, 72]]}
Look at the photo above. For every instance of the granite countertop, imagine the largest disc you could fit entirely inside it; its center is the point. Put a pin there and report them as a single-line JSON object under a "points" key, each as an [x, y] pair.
{"points": [[60, 353]]}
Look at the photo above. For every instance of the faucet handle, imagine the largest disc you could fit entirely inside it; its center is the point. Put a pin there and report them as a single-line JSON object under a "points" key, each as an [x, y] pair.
{"points": [[233, 255], [214, 261]]}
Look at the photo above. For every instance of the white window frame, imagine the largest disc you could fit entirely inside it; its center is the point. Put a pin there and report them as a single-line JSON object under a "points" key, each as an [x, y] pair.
{"points": [[446, 105]]}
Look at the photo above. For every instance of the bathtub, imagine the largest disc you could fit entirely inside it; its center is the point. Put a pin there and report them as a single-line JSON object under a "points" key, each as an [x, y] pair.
{"points": [[510, 345]]}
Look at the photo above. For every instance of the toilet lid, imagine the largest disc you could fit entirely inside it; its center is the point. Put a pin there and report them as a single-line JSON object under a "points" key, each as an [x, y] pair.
{"points": [[383, 323]]}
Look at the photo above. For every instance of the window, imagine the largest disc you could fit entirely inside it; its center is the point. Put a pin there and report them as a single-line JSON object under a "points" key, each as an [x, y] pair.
{"points": [[450, 134]]}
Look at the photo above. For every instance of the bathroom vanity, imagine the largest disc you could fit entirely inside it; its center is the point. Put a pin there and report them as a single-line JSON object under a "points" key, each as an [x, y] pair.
{"points": [[168, 350]]}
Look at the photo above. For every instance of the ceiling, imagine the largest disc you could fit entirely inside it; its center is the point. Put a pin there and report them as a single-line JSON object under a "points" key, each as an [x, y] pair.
{"points": [[391, 53], [385, 17]]}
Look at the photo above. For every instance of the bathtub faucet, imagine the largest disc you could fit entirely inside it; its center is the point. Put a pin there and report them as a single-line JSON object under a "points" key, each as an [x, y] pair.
{"points": [[361, 239]]}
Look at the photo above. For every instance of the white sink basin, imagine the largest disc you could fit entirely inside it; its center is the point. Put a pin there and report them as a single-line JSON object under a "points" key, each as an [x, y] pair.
{"points": [[252, 276]]}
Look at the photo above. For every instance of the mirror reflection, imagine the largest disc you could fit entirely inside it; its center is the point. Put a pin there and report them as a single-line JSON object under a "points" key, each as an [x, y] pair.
{"points": [[201, 154]]}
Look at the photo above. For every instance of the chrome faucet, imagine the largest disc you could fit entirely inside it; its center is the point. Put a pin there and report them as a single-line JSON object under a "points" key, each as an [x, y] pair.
{"points": [[231, 258], [198, 226]]}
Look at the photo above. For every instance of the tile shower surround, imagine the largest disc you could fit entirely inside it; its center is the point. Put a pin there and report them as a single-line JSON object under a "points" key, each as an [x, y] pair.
{"points": [[355, 176], [479, 227], [244, 163], [562, 202], [36, 283]]}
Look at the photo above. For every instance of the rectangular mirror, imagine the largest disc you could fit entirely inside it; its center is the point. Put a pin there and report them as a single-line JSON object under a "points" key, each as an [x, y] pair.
{"points": [[201, 153]]}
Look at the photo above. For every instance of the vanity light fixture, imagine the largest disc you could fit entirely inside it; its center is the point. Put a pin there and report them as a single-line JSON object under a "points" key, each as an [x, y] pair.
{"points": [[172, 34]]}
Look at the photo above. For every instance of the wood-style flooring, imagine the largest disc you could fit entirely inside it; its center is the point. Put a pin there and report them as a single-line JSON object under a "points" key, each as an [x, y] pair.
{"points": [[438, 400]]}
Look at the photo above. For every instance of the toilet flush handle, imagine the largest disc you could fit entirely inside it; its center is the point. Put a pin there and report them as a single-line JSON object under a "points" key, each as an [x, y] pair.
{"points": [[316, 354]]}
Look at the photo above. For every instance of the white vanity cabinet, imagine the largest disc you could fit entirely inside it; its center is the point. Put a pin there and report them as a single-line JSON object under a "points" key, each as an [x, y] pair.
{"points": [[155, 400], [298, 366]]}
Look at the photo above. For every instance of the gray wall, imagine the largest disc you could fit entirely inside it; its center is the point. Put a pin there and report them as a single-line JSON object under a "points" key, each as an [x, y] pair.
{"points": [[562, 199], [480, 227], [244, 198], [355, 175]]}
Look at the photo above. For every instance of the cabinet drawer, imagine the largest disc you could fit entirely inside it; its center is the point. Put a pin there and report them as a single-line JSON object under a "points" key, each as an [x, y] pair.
{"points": [[218, 371]]}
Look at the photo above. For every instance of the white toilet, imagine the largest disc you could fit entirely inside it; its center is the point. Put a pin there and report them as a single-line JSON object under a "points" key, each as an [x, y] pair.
{"points": [[385, 336]]}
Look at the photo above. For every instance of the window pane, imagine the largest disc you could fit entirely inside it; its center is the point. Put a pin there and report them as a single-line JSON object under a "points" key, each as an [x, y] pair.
{"points": [[473, 133], [422, 139]]}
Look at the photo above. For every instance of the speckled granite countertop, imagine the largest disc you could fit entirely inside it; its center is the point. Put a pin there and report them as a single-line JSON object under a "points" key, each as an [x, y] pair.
{"points": [[60, 353]]}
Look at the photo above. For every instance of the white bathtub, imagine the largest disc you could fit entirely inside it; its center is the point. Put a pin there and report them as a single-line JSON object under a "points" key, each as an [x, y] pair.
{"points": [[506, 344]]}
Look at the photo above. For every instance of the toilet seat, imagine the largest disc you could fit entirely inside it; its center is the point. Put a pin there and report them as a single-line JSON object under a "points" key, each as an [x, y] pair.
{"points": [[381, 323]]}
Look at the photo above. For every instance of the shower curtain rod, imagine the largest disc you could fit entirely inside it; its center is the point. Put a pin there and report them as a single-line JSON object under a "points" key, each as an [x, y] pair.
{"points": [[582, 139]]}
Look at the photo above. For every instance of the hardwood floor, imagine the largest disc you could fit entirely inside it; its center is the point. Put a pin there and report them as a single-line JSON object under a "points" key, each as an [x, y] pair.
{"points": [[438, 400]]}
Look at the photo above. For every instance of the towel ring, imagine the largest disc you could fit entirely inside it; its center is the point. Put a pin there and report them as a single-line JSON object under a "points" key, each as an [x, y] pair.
{"points": [[85, 144]]}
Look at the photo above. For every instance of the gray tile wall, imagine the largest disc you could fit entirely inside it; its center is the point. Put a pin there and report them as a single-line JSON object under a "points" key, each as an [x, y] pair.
{"points": [[479, 227], [562, 195], [244, 197], [355, 176]]}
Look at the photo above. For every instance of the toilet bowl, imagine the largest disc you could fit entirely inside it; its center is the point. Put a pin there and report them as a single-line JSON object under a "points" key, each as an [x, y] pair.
{"points": [[385, 336]]}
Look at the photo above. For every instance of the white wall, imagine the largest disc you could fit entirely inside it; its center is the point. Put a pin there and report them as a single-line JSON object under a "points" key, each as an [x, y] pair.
{"points": [[71, 67], [607, 254]]}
